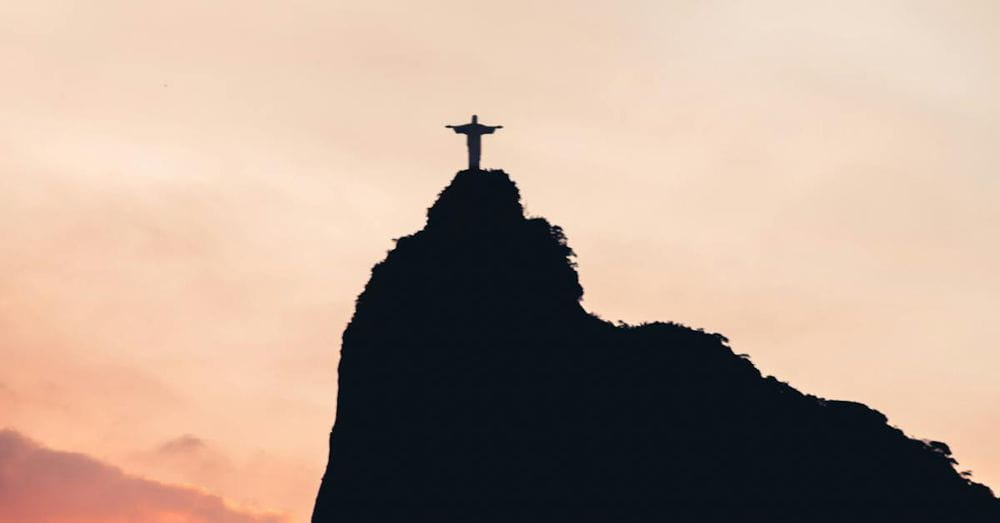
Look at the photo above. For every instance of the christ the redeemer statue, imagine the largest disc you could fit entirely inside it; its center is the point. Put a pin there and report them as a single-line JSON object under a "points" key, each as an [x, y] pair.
{"points": [[473, 131]]}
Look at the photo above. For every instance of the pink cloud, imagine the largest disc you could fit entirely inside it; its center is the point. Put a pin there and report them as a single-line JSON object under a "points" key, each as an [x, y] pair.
{"points": [[48, 486]]}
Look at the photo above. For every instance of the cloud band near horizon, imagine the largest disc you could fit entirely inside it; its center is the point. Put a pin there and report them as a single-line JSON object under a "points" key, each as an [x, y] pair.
{"points": [[43, 485]]}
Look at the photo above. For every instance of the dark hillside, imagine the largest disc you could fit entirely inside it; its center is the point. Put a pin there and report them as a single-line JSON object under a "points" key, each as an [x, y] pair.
{"points": [[474, 387]]}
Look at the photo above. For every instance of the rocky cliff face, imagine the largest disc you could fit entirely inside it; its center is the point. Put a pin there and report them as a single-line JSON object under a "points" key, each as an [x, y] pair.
{"points": [[473, 387]]}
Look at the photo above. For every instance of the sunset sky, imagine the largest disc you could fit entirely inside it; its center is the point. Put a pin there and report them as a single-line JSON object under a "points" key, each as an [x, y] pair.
{"points": [[192, 195]]}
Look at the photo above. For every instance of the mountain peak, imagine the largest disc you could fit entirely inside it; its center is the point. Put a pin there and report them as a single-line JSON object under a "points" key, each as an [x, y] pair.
{"points": [[477, 197], [478, 258]]}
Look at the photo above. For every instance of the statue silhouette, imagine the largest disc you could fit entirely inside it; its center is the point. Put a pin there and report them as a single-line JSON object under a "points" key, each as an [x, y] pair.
{"points": [[473, 131]]}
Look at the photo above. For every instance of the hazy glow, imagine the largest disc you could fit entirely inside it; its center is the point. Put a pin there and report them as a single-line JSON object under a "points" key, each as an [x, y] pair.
{"points": [[192, 194]]}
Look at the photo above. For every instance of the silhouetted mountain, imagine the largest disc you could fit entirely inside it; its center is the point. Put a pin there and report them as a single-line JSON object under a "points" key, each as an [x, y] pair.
{"points": [[474, 387]]}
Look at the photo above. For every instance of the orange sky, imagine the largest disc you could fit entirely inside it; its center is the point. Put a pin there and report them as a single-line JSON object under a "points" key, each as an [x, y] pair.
{"points": [[192, 194]]}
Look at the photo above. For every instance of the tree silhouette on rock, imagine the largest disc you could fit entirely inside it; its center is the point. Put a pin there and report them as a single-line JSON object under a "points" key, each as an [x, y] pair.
{"points": [[474, 387]]}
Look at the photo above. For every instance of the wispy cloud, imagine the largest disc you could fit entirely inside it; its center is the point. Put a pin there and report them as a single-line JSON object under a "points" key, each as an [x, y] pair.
{"points": [[185, 444]]}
